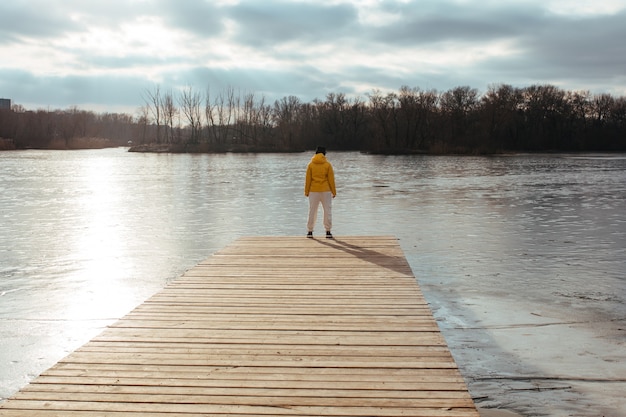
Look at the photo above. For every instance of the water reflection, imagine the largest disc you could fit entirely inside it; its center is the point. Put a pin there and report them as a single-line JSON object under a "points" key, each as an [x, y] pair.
{"points": [[99, 247]]}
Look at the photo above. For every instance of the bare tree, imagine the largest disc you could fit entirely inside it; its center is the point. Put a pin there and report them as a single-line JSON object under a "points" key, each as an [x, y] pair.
{"points": [[190, 102], [500, 107], [286, 120], [153, 102], [210, 117], [602, 105], [143, 121], [459, 106], [169, 112], [383, 109]]}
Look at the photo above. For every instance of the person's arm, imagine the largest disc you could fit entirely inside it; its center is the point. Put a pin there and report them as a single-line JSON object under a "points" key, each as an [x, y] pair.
{"points": [[307, 182], [331, 180]]}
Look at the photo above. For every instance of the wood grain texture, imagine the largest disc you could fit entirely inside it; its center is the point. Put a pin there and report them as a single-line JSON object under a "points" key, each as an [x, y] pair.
{"points": [[268, 326]]}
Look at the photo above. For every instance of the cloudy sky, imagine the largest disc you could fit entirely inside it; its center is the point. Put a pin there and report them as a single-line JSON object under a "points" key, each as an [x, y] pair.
{"points": [[103, 55]]}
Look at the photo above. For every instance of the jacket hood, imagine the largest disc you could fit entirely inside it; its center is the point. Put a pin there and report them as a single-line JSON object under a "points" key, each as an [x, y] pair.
{"points": [[318, 158]]}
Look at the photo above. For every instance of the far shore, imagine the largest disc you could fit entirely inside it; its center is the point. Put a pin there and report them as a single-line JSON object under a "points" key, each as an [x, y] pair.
{"points": [[206, 148]]}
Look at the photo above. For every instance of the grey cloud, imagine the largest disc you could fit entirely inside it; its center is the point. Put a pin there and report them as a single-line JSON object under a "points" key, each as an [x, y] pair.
{"points": [[61, 92], [552, 48], [582, 53], [574, 53], [582, 46], [20, 20], [201, 18], [51, 18], [277, 22], [465, 22], [127, 62]]}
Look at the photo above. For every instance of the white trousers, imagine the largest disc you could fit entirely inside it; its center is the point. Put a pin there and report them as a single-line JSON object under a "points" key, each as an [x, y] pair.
{"points": [[315, 198]]}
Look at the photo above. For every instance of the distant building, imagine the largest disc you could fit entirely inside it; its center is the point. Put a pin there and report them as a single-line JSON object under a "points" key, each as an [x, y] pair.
{"points": [[5, 104]]}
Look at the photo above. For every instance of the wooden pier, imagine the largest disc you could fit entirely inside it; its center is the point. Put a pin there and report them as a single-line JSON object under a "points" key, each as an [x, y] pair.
{"points": [[268, 326]]}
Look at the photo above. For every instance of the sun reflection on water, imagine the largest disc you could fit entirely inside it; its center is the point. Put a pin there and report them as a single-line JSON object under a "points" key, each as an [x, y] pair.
{"points": [[99, 246]]}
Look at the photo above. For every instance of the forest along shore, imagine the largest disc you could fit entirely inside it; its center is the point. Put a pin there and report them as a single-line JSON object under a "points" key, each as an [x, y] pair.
{"points": [[462, 120]]}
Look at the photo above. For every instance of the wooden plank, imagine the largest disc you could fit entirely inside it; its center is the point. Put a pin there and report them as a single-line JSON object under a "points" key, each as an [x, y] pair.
{"points": [[277, 399], [396, 378], [91, 408], [447, 387], [280, 326], [41, 391]]}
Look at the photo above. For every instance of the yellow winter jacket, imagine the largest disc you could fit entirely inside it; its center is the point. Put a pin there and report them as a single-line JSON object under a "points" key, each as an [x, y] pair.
{"points": [[319, 176]]}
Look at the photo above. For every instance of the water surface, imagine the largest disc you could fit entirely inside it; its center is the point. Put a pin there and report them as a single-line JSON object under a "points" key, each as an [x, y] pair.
{"points": [[497, 244]]}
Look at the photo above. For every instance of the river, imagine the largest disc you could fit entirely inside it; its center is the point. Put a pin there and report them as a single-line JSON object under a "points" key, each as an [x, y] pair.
{"points": [[521, 257]]}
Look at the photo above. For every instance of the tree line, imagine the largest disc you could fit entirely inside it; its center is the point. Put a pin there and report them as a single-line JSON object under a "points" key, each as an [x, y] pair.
{"points": [[460, 120], [64, 129]]}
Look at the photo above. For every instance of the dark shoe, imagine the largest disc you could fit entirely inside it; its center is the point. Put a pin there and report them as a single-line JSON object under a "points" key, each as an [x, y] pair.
{"points": [[329, 235], [309, 235]]}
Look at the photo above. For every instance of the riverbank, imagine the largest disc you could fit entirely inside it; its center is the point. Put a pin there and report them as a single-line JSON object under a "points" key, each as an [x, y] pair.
{"points": [[208, 148], [242, 148], [63, 145]]}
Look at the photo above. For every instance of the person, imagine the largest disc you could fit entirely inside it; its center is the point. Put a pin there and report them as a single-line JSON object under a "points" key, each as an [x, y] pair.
{"points": [[319, 187]]}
